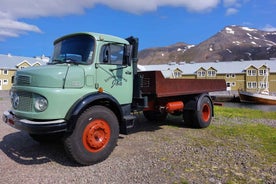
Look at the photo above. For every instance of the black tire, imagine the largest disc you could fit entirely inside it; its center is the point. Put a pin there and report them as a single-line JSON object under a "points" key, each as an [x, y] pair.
{"points": [[47, 138], [94, 137], [155, 115], [202, 118], [188, 117]]}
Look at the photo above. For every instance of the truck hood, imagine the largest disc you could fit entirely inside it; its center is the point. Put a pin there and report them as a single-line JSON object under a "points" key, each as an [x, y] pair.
{"points": [[51, 76]]}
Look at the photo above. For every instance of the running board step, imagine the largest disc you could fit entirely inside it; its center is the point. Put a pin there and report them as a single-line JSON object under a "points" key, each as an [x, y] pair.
{"points": [[129, 121]]}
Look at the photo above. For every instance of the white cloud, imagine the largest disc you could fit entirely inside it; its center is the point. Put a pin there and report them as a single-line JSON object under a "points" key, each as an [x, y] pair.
{"points": [[269, 28], [151, 5], [13, 28], [15, 25], [11, 11], [234, 5], [38, 8], [231, 11]]}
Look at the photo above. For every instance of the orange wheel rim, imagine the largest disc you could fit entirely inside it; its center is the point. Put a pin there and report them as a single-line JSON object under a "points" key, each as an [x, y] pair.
{"points": [[96, 135], [206, 112]]}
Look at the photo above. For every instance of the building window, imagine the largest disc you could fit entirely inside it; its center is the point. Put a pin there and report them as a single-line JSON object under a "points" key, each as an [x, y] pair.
{"points": [[177, 74], [211, 73], [5, 72], [230, 84], [251, 73], [232, 75], [5, 82], [263, 85], [201, 73], [262, 72], [251, 85]]}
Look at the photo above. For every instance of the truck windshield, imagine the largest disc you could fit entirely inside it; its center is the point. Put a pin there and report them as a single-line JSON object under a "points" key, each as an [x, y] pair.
{"points": [[77, 49]]}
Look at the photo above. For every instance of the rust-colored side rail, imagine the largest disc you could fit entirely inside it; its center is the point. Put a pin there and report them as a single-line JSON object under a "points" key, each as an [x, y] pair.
{"points": [[153, 82]]}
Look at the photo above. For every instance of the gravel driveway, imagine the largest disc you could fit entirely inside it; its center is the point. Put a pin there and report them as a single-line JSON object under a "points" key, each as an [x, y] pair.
{"points": [[154, 153]]}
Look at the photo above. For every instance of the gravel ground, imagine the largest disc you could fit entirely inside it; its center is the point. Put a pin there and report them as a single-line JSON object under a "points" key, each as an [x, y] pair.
{"points": [[154, 153]]}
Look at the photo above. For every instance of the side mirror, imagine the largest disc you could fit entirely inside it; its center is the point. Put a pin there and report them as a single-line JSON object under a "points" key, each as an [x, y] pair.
{"points": [[127, 55]]}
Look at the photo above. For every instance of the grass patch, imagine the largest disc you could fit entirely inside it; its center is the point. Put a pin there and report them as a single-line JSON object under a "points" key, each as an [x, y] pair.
{"points": [[243, 113], [258, 136], [243, 140]]}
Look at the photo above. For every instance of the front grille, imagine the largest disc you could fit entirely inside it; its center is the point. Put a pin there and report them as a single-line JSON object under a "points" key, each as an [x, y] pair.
{"points": [[23, 80], [25, 101]]}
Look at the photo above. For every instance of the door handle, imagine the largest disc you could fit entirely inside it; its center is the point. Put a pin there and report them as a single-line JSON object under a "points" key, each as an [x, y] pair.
{"points": [[128, 73]]}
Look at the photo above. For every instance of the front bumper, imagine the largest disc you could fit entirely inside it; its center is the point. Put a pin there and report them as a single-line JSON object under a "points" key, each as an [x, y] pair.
{"points": [[34, 127]]}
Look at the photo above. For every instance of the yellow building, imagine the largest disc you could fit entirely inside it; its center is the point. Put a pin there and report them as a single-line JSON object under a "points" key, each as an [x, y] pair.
{"points": [[10, 64], [245, 75]]}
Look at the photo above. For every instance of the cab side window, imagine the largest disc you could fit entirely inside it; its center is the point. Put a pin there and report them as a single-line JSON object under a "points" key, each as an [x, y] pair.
{"points": [[112, 54]]}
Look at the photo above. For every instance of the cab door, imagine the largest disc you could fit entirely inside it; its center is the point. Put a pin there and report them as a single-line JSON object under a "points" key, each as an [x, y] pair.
{"points": [[113, 74]]}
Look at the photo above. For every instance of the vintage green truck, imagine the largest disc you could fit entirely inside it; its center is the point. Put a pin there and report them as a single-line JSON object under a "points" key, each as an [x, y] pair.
{"points": [[89, 91]]}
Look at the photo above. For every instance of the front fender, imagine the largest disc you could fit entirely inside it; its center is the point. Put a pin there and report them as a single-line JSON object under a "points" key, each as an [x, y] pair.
{"points": [[89, 100]]}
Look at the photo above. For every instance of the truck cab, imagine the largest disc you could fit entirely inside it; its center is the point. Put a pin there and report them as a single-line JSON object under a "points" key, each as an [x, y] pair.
{"points": [[84, 66]]}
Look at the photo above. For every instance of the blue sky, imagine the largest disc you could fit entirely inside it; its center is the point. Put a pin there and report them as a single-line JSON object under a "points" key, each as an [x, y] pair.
{"points": [[29, 27]]}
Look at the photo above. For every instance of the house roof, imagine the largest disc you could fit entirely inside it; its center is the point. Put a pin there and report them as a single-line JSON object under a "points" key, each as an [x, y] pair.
{"points": [[12, 62], [221, 67]]}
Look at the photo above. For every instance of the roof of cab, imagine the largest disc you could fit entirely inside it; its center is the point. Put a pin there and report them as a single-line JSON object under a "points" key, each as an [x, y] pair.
{"points": [[97, 36]]}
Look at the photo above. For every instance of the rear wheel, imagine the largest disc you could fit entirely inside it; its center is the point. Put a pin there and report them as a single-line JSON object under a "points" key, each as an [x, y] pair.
{"points": [[202, 118], [94, 137]]}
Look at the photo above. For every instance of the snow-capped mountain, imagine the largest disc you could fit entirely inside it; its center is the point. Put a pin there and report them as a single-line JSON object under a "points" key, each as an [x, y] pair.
{"points": [[230, 44]]}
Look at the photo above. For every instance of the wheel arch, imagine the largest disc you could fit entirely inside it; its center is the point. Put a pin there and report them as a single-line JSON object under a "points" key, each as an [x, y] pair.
{"points": [[90, 100]]}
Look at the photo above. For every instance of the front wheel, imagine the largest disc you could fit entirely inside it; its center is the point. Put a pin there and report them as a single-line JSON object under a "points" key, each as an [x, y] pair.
{"points": [[94, 137]]}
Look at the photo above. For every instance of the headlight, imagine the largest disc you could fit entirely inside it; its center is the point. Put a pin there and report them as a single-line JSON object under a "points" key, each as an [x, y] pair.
{"points": [[14, 100], [40, 103]]}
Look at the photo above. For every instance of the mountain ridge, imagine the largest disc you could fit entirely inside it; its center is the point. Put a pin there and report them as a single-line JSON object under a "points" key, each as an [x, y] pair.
{"points": [[232, 43]]}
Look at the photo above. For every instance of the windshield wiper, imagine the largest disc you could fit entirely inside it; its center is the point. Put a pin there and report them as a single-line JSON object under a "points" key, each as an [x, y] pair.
{"points": [[67, 61], [70, 60], [56, 61]]}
